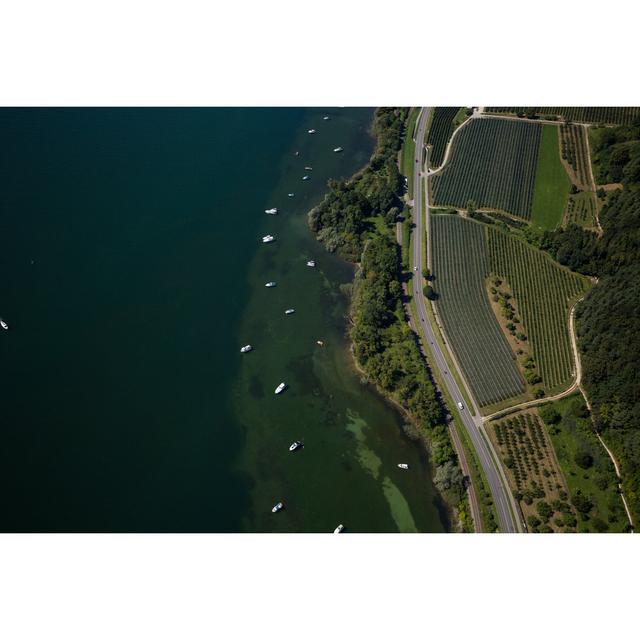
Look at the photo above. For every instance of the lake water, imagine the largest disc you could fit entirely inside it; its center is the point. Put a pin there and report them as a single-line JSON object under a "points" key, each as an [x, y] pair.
{"points": [[131, 273]]}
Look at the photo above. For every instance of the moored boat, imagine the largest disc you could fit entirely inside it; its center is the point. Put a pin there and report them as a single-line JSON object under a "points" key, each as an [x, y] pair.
{"points": [[403, 465], [291, 195], [270, 284], [279, 506], [288, 312], [311, 131], [295, 445], [308, 168], [3, 324], [337, 150], [339, 529], [272, 211], [246, 348], [306, 177], [326, 118], [268, 238], [280, 388], [311, 263]]}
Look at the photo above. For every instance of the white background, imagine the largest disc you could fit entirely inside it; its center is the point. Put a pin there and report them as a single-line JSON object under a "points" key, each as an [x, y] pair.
{"points": [[317, 53]]}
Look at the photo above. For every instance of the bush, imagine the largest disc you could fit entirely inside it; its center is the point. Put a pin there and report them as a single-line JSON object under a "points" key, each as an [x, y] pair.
{"points": [[549, 414], [581, 502]]}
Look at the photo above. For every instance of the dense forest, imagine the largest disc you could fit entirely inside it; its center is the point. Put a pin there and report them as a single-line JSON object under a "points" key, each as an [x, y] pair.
{"points": [[616, 154], [608, 322], [342, 219], [384, 346]]}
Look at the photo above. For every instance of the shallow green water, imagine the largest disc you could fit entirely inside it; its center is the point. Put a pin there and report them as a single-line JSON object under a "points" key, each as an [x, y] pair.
{"points": [[132, 272]]}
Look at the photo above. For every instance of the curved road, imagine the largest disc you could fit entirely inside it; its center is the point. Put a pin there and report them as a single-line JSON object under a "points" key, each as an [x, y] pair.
{"points": [[506, 509]]}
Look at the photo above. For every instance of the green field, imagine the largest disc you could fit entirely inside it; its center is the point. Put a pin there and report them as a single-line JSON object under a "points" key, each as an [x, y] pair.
{"points": [[544, 292], [596, 115], [568, 423], [408, 148], [460, 265], [493, 162], [552, 183], [581, 209], [440, 131]]}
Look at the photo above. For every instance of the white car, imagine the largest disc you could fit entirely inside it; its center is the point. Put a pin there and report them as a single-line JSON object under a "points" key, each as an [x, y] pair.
{"points": [[460, 405]]}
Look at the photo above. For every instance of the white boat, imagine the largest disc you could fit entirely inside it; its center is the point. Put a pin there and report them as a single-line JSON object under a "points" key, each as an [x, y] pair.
{"points": [[3, 324], [295, 445], [311, 131], [270, 284], [308, 168], [339, 529], [267, 239], [403, 465], [320, 343], [277, 507], [280, 388], [291, 195], [337, 150], [246, 348], [305, 177], [311, 263], [271, 212], [288, 312], [326, 118]]}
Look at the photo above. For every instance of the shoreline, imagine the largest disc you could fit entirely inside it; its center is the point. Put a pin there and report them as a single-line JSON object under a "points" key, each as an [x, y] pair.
{"points": [[453, 523]]}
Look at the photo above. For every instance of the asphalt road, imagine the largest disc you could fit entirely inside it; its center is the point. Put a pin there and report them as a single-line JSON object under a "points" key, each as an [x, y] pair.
{"points": [[502, 497]]}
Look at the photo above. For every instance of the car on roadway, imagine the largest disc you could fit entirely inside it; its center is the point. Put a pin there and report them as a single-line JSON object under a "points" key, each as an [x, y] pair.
{"points": [[460, 406]]}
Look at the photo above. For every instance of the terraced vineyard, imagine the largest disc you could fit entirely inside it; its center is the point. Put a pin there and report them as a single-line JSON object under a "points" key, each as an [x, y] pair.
{"points": [[493, 163], [596, 115], [533, 471], [439, 133], [460, 266], [544, 292], [573, 148]]}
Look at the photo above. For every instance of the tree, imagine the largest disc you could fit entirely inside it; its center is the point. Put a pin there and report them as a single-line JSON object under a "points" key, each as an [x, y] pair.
{"points": [[583, 459], [549, 414], [544, 510], [430, 293], [581, 502], [449, 476]]}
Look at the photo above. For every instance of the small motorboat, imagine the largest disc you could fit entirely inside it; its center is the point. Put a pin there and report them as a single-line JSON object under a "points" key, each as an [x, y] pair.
{"points": [[311, 263], [280, 388], [403, 465], [271, 212], [339, 529], [4, 325], [338, 150], [291, 195], [270, 284], [268, 238], [306, 177], [326, 118], [288, 312], [296, 445], [312, 131], [246, 348], [297, 153], [320, 343], [308, 168], [279, 506]]}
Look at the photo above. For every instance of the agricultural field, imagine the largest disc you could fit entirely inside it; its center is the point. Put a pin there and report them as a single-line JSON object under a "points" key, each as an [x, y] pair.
{"points": [[460, 266], [574, 148], [440, 132], [544, 292], [595, 115], [585, 465], [552, 183], [408, 148], [493, 163], [581, 210], [533, 471]]}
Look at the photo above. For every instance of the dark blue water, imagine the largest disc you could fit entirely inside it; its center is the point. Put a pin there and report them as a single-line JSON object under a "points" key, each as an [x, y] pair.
{"points": [[130, 273]]}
